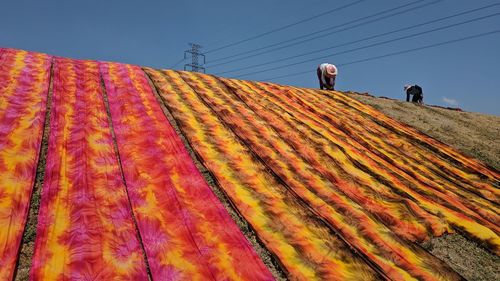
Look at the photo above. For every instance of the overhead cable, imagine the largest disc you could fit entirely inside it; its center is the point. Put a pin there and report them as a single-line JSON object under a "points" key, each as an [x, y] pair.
{"points": [[359, 40], [393, 53], [337, 9], [372, 45], [209, 64]]}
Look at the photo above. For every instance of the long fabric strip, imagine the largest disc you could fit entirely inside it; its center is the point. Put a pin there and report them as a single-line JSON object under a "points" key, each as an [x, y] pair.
{"points": [[24, 83], [379, 184], [346, 201], [436, 159], [426, 209], [400, 159], [186, 231], [85, 227], [344, 165], [307, 249], [469, 169], [459, 193]]}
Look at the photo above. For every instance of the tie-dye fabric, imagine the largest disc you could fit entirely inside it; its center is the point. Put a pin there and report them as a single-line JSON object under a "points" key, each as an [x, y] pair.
{"points": [[85, 227], [379, 184], [305, 246], [24, 83], [334, 189], [187, 234], [365, 180], [442, 182], [333, 197]]}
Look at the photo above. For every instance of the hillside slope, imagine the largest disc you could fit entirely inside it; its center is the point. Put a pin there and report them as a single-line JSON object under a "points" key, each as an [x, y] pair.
{"points": [[474, 134], [318, 143], [323, 186]]}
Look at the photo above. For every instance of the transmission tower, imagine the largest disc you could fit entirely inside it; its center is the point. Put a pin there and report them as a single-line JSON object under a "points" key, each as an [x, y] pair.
{"points": [[195, 54]]}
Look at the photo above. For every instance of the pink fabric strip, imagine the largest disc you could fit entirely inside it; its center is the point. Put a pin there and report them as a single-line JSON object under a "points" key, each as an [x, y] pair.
{"points": [[85, 228], [24, 82], [186, 231]]}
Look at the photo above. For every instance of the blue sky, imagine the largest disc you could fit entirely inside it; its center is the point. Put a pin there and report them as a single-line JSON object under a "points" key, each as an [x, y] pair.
{"points": [[155, 33]]}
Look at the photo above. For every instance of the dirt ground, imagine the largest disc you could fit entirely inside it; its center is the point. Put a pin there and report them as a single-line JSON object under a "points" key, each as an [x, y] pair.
{"points": [[465, 257]]}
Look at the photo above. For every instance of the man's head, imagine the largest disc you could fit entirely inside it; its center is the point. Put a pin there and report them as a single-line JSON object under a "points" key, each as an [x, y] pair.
{"points": [[331, 70], [406, 87]]}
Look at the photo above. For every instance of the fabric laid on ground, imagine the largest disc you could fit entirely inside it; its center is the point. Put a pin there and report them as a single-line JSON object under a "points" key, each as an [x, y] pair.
{"points": [[426, 209], [187, 234], [334, 189], [379, 184], [444, 183], [334, 198], [306, 248], [24, 84], [85, 227]]}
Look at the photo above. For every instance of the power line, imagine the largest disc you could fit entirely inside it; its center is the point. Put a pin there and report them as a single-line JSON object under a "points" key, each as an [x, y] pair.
{"points": [[373, 45], [394, 53], [361, 40], [284, 27], [177, 63], [326, 29], [331, 33]]}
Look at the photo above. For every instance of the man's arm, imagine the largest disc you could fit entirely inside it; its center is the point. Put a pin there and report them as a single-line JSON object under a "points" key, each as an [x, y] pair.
{"points": [[323, 80], [330, 85], [320, 74]]}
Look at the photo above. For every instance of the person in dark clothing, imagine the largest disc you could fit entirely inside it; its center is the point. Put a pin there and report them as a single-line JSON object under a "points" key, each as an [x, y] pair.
{"points": [[416, 92], [326, 76]]}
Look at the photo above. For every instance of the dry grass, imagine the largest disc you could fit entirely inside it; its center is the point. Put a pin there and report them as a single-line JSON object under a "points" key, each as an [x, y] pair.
{"points": [[465, 257]]}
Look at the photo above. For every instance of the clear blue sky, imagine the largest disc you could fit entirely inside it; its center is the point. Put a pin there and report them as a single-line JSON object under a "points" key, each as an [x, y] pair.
{"points": [[155, 33]]}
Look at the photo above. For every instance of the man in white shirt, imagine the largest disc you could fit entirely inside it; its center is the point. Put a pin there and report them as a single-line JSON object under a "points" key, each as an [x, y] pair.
{"points": [[326, 76]]}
